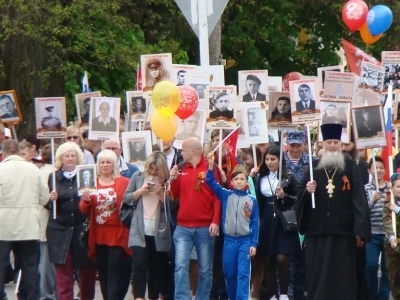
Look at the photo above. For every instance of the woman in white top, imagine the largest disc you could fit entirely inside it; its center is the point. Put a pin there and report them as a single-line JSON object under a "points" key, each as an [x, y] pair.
{"points": [[275, 245]]}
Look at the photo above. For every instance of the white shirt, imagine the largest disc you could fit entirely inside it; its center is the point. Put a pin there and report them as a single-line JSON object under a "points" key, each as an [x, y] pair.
{"points": [[265, 186], [306, 104], [170, 159]]}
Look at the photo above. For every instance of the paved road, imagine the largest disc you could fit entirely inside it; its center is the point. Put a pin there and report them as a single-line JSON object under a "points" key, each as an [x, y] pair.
{"points": [[10, 288]]}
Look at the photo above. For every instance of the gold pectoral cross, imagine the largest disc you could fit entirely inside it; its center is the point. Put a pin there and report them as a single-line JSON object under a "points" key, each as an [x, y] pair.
{"points": [[330, 187]]}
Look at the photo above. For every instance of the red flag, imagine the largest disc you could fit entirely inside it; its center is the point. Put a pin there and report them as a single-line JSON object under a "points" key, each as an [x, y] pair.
{"points": [[230, 145], [138, 78], [355, 56]]}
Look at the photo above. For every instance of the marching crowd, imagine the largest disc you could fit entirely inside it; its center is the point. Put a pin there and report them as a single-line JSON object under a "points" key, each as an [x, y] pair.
{"points": [[185, 228]]}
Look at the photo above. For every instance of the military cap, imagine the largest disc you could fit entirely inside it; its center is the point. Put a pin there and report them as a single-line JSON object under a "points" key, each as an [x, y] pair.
{"points": [[153, 64], [295, 137]]}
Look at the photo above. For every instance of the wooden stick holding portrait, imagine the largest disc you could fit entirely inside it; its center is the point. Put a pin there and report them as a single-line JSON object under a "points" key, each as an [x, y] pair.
{"points": [[311, 164], [53, 177]]}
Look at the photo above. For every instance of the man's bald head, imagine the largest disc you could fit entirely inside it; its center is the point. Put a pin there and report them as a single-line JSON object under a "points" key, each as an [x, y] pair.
{"points": [[193, 144], [113, 145], [192, 151]]}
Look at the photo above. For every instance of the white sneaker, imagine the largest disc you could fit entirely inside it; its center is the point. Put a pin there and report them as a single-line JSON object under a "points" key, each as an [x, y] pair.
{"points": [[283, 297]]}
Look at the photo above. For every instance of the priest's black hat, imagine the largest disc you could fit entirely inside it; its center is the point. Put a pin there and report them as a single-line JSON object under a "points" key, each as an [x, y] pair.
{"points": [[331, 131]]}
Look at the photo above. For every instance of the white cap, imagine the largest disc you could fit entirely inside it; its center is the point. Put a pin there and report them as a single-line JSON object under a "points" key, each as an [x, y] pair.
{"points": [[7, 132]]}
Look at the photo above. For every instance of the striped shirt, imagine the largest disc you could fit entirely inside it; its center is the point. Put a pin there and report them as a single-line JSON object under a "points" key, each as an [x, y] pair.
{"points": [[376, 207]]}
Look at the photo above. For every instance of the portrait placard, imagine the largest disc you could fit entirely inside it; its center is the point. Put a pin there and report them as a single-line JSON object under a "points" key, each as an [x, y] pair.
{"points": [[396, 115], [137, 147], [51, 118], [220, 107], [194, 126], [370, 86], [87, 178], [279, 110], [9, 107], [336, 112], [215, 74], [104, 118], [305, 106], [253, 85], [180, 73], [240, 112], [274, 83], [369, 128], [137, 105], [201, 84], [82, 103], [255, 118], [155, 68], [391, 65], [339, 86], [322, 73]]}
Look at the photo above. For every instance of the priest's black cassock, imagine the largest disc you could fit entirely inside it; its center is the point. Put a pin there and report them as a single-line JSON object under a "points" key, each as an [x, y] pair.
{"points": [[330, 231]]}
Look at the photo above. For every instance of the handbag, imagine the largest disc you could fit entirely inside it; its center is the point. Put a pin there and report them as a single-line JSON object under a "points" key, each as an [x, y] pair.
{"points": [[288, 220], [126, 213], [84, 233]]}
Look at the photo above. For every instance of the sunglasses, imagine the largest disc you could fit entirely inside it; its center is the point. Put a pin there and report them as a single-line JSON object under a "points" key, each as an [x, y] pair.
{"points": [[75, 137]]}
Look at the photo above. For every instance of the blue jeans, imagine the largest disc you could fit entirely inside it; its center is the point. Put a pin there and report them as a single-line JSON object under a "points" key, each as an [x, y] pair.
{"points": [[185, 238], [373, 249]]}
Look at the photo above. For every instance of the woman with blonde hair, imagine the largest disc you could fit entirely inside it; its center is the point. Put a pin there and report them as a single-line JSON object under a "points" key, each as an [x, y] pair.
{"points": [[149, 236], [65, 249], [108, 238], [74, 135]]}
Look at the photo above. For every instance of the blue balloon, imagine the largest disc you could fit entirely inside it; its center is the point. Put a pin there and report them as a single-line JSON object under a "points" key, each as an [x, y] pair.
{"points": [[379, 19]]}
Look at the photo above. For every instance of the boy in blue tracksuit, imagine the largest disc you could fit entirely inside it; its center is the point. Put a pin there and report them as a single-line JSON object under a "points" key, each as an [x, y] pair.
{"points": [[240, 223]]}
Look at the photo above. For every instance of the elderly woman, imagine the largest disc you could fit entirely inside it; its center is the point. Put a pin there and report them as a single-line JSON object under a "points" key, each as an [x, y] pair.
{"points": [[65, 249], [74, 135], [108, 238], [149, 236]]}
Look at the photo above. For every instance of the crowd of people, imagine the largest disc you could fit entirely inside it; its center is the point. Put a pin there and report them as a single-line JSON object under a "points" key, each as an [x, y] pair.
{"points": [[198, 230]]}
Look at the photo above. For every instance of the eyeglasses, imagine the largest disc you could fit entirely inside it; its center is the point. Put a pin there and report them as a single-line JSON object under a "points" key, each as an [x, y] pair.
{"points": [[75, 137], [111, 148]]}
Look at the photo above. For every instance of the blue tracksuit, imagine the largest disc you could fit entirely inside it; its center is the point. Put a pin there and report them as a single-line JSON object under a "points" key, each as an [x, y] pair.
{"points": [[240, 223]]}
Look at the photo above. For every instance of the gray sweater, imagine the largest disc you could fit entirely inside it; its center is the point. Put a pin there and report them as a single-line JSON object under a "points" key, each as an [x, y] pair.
{"points": [[136, 233]]}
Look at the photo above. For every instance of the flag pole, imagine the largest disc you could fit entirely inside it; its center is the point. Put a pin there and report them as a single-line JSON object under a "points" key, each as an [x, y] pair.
{"points": [[219, 145]]}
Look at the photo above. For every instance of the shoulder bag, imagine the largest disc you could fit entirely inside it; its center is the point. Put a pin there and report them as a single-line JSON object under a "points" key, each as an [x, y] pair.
{"points": [[126, 213]]}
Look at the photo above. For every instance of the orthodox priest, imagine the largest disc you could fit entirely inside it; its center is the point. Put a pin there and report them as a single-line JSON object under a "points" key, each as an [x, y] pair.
{"points": [[337, 225]]}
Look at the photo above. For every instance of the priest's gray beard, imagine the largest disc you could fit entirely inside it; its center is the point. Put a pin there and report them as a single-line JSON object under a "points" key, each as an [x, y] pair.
{"points": [[332, 160]]}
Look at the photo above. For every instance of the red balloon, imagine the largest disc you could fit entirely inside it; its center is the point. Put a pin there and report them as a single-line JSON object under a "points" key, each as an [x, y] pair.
{"points": [[189, 102], [354, 14], [290, 77]]}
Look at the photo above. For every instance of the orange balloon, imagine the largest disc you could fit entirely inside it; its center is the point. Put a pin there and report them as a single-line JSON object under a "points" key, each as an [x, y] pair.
{"points": [[164, 128], [367, 37]]}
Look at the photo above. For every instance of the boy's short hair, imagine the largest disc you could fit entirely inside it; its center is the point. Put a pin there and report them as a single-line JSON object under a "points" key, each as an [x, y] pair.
{"points": [[377, 159], [238, 169]]}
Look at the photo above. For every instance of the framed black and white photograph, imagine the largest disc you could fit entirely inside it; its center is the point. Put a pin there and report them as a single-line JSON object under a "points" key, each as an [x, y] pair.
{"points": [[391, 64], [104, 118], [321, 73], [87, 178], [200, 83], [137, 147], [279, 110], [137, 105], [255, 118], [180, 73], [372, 76], [304, 98], [253, 85], [155, 68], [369, 127], [82, 102], [337, 112], [51, 118], [220, 107], [194, 126], [9, 107]]}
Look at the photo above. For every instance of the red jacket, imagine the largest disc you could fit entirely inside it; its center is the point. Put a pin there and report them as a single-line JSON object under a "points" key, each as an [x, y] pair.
{"points": [[113, 234], [198, 206]]}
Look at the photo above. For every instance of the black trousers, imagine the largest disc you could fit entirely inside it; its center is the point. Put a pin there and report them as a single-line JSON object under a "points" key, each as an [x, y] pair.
{"points": [[27, 253], [147, 259], [109, 264]]}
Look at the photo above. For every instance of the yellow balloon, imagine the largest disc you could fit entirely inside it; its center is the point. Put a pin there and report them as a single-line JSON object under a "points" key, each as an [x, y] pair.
{"points": [[166, 98], [164, 128], [367, 37]]}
